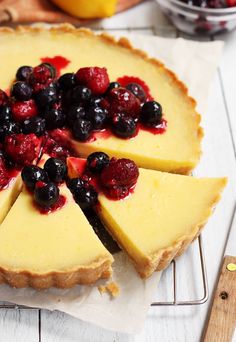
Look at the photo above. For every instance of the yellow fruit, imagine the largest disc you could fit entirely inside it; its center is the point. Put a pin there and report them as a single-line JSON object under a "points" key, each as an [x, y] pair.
{"points": [[87, 9]]}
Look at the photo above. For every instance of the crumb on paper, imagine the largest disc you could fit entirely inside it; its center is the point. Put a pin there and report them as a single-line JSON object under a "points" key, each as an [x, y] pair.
{"points": [[111, 288]]}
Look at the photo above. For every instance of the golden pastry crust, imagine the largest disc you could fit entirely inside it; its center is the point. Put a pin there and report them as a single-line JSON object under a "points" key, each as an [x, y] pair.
{"points": [[125, 44], [84, 275], [161, 259]]}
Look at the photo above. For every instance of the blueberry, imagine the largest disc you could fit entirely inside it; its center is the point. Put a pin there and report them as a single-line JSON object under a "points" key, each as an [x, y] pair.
{"points": [[97, 116], [80, 94], [151, 114], [74, 184], [32, 174], [23, 73], [113, 85], [74, 113], [138, 91], [54, 118], [5, 114], [96, 161], [86, 196], [67, 81], [21, 91], [47, 96], [81, 129], [95, 101], [56, 169], [46, 195], [123, 126], [34, 125], [9, 128], [51, 69]]}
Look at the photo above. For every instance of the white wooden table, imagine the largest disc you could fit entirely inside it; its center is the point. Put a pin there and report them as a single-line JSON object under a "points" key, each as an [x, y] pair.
{"points": [[219, 159]]}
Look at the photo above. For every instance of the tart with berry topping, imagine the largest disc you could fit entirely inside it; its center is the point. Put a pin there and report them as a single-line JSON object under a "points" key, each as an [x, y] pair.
{"points": [[119, 101], [153, 216]]}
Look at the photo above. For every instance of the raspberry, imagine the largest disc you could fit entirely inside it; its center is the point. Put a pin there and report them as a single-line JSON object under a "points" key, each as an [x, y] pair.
{"points": [[3, 98], [23, 110], [120, 173], [123, 101], [41, 74], [22, 149], [94, 78], [4, 178]]}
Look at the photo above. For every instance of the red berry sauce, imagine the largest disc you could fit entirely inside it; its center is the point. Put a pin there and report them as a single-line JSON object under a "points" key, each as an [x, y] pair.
{"points": [[57, 206], [125, 80], [160, 129], [58, 62]]}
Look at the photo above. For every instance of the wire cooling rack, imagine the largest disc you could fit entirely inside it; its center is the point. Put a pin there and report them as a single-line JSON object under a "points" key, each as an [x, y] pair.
{"points": [[203, 273]]}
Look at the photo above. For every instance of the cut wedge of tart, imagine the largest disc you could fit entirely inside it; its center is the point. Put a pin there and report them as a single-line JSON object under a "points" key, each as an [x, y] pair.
{"points": [[152, 215], [174, 147], [42, 249]]}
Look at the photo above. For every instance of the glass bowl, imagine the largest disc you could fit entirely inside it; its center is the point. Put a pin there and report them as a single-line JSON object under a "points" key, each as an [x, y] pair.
{"points": [[196, 20]]}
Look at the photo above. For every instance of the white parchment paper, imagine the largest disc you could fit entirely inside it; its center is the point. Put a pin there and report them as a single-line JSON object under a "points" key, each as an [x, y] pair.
{"points": [[195, 64]]}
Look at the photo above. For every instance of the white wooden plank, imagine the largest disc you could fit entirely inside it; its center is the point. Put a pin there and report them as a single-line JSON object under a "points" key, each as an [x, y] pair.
{"points": [[19, 325]]}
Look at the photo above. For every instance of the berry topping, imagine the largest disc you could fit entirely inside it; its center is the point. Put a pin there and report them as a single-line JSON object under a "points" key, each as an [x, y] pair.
{"points": [[5, 114], [41, 74], [4, 178], [23, 73], [151, 114], [32, 174], [123, 126], [50, 67], [3, 98], [21, 91], [138, 91], [113, 85], [67, 81], [9, 128], [97, 116], [80, 94], [56, 169], [46, 96], [75, 184], [85, 196], [23, 110], [120, 172], [123, 101], [97, 161], [94, 78], [22, 149], [46, 195], [74, 113], [54, 118], [81, 129], [34, 125]]}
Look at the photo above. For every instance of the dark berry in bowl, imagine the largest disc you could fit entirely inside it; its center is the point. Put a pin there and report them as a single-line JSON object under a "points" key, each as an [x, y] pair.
{"points": [[86, 196], [34, 125], [3, 98], [97, 161], [97, 116], [94, 78], [80, 94], [46, 194], [56, 169], [81, 129], [74, 184], [124, 126], [31, 174], [74, 113], [21, 91], [54, 118], [22, 110], [5, 114], [46, 96], [67, 81], [138, 91], [151, 114], [23, 73]]}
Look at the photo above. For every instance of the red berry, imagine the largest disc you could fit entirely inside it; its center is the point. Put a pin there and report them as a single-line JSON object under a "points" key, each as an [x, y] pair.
{"points": [[120, 172], [3, 98], [4, 179], [123, 101], [41, 74], [23, 110], [231, 3], [22, 149], [94, 78]]}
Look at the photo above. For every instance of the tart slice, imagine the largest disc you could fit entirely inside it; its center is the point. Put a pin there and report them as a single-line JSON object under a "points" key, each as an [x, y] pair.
{"points": [[152, 215], [174, 147], [54, 247]]}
